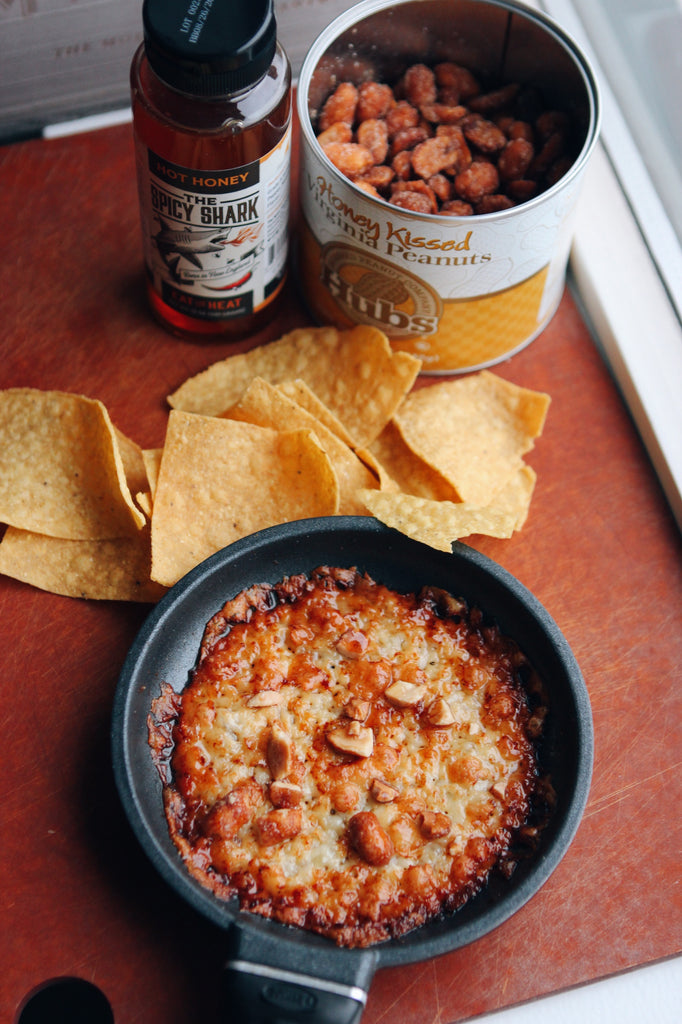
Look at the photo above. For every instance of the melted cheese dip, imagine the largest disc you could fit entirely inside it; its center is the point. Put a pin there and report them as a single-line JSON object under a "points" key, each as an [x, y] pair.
{"points": [[346, 758]]}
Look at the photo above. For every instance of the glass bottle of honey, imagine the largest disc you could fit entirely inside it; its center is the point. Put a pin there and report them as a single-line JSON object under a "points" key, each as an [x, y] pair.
{"points": [[211, 101]]}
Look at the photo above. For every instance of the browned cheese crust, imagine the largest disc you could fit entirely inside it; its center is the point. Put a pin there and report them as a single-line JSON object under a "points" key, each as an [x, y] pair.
{"points": [[348, 759]]}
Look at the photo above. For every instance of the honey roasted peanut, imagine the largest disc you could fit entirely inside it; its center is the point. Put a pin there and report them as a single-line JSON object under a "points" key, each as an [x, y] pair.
{"points": [[352, 643], [279, 825], [476, 150], [279, 752], [358, 709], [439, 713], [374, 100], [368, 838], [382, 792], [353, 738], [285, 794], [404, 694], [434, 824], [340, 106]]}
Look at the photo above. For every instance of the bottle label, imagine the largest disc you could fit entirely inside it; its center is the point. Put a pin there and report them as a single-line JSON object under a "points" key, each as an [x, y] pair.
{"points": [[216, 241]]}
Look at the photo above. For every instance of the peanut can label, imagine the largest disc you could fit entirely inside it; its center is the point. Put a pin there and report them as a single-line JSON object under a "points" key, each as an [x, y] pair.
{"points": [[458, 292]]}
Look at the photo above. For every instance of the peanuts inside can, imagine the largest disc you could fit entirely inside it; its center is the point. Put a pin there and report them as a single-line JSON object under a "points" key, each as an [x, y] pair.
{"points": [[459, 255]]}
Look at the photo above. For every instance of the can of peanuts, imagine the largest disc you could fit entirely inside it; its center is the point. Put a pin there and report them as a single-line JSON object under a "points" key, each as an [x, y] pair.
{"points": [[443, 146]]}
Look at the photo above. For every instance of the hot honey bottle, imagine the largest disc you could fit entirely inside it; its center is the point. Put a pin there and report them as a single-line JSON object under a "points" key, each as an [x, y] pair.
{"points": [[211, 101]]}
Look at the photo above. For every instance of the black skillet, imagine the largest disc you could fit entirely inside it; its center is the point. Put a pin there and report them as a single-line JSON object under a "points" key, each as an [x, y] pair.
{"points": [[275, 973]]}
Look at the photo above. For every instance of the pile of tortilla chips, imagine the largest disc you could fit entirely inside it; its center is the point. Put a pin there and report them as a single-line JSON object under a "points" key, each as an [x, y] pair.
{"points": [[67, 480], [321, 422]]}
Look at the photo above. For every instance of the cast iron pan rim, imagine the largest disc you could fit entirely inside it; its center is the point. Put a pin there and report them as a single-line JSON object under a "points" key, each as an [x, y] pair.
{"points": [[417, 945]]}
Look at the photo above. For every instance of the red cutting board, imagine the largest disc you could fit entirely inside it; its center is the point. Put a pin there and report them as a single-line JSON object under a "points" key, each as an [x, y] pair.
{"points": [[600, 550]]}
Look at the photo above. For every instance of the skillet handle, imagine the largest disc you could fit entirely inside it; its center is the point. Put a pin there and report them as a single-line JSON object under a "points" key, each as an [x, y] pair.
{"points": [[271, 981]]}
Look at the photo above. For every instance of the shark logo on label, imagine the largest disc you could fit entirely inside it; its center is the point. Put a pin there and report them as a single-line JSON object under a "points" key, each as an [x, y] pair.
{"points": [[187, 243]]}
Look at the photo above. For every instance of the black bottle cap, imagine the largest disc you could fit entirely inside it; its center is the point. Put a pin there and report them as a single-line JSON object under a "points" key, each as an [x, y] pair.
{"points": [[209, 48]]}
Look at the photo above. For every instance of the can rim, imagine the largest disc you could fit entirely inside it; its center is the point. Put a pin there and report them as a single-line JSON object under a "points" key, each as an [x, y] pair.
{"points": [[360, 11]]}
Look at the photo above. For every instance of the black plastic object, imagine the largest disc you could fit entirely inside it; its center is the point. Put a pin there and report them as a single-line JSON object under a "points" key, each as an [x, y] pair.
{"points": [[262, 983], [66, 1001], [209, 48], [285, 974]]}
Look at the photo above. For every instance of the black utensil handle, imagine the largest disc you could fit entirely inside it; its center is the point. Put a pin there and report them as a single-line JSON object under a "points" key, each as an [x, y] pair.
{"points": [[269, 982], [269, 995]]}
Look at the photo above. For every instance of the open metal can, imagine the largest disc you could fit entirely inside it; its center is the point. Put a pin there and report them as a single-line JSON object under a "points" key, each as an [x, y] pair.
{"points": [[459, 292]]}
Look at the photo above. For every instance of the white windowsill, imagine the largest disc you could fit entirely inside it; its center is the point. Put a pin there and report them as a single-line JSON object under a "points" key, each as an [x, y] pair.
{"points": [[647, 995]]}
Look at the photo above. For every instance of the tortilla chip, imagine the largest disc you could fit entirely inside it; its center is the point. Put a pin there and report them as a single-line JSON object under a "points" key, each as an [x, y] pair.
{"points": [[222, 479], [266, 406], [145, 502], [408, 472], [385, 481], [300, 393], [152, 463], [61, 470], [515, 496], [354, 373], [101, 570], [437, 523], [473, 430], [133, 463]]}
